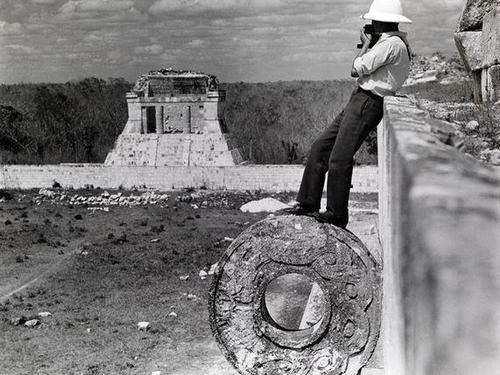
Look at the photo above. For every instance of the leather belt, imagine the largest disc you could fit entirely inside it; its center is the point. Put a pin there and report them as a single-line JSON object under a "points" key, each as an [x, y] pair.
{"points": [[370, 94]]}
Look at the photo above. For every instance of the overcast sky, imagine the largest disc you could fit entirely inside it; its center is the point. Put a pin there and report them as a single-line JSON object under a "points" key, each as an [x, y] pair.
{"points": [[237, 40]]}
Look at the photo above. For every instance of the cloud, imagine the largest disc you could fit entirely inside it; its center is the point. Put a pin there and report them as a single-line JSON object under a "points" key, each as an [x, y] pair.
{"points": [[12, 8], [432, 4], [45, 2], [247, 42], [113, 57], [199, 6], [114, 10], [195, 43], [10, 28], [431, 11], [235, 39], [433, 24], [329, 32], [154, 49], [74, 6], [314, 56], [20, 48], [102, 36]]}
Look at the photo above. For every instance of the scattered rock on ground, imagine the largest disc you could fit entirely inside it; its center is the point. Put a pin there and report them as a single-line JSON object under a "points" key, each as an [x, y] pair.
{"points": [[105, 209], [264, 205], [46, 193], [32, 323], [213, 267], [472, 125], [143, 326], [100, 202], [435, 68]]}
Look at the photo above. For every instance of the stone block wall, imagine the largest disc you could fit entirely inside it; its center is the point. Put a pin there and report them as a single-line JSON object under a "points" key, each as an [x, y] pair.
{"points": [[165, 178], [133, 149], [469, 47], [440, 234], [172, 150], [478, 42], [490, 41], [473, 14], [158, 86]]}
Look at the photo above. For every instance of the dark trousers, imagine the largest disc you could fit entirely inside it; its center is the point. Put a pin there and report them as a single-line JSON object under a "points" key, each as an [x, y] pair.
{"points": [[333, 152]]}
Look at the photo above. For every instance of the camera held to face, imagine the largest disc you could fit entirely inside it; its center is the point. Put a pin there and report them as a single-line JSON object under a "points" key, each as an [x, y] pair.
{"points": [[370, 30]]}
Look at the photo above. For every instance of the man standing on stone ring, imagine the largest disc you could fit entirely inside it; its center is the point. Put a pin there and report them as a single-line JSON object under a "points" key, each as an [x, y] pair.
{"points": [[381, 68]]}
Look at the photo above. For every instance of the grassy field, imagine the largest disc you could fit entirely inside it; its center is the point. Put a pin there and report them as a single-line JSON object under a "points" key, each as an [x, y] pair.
{"points": [[110, 270], [126, 269]]}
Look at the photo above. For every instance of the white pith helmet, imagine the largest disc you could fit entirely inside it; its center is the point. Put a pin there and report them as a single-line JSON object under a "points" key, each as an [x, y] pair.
{"points": [[386, 11]]}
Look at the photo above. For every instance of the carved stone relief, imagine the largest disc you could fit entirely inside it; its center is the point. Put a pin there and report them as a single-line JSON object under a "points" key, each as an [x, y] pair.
{"points": [[339, 337]]}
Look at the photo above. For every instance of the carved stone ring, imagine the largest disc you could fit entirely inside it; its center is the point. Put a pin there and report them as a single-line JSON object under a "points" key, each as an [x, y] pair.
{"points": [[292, 296]]}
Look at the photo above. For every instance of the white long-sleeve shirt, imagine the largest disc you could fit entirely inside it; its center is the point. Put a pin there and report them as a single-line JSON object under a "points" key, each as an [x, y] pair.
{"points": [[384, 68]]}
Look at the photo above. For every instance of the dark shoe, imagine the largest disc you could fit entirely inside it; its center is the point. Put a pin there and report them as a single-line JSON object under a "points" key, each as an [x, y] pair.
{"points": [[298, 210], [329, 218]]}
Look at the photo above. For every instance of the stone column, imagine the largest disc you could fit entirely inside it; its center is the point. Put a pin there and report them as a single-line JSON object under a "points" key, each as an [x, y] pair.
{"points": [[159, 119], [188, 119], [490, 84], [490, 44], [494, 82], [144, 120]]}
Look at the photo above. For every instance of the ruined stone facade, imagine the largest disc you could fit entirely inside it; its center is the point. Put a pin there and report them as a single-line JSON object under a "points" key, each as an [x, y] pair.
{"points": [[478, 42], [175, 119]]}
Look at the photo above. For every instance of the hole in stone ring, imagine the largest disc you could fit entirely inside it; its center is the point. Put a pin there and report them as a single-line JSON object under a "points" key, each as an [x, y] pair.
{"points": [[294, 302]]}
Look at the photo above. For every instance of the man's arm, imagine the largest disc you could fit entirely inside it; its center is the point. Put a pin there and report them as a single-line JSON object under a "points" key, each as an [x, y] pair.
{"points": [[365, 40]]}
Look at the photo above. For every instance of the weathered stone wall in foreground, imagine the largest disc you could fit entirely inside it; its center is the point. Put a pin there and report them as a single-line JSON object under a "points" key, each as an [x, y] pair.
{"points": [[440, 233], [248, 177]]}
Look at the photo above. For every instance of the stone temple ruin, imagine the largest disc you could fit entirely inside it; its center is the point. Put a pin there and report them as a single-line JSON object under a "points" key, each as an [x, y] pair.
{"points": [[175, 119], [478, 42]]}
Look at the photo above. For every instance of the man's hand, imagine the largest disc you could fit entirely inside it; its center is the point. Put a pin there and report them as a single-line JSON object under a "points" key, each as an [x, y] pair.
{"points": [[365, 38]]}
